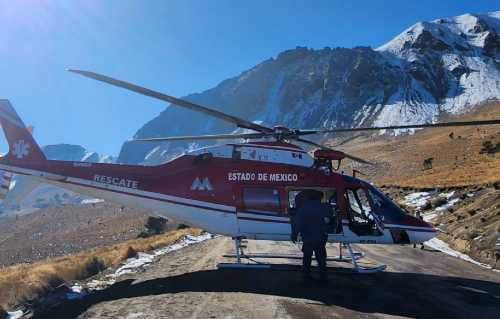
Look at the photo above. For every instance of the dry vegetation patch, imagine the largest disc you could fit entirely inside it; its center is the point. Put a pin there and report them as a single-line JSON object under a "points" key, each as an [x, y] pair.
{"points": [[27, 281]]}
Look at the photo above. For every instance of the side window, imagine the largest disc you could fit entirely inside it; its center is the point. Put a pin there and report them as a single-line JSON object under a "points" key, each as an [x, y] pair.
{"points": [[261, 199]]}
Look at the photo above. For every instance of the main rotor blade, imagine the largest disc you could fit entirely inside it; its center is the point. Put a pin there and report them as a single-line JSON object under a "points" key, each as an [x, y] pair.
{"points": [[351, 157], [202, 137], [395, 127], [167, 98]]}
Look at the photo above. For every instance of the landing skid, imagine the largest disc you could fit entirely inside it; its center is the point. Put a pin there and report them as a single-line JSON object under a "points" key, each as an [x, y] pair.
{"points": [[240, 254], [340, 258]]}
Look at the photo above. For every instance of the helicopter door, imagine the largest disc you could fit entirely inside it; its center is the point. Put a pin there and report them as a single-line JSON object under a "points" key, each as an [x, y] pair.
{"points": [[330, 196], [260, 213], [362, 218]]}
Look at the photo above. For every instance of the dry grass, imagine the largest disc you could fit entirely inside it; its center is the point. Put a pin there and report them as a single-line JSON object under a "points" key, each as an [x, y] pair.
{"points": [[457, 161], [26, 281]]}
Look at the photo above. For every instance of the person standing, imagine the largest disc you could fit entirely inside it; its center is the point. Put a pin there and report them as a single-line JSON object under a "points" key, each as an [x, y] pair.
{"points": [[311, 222]]}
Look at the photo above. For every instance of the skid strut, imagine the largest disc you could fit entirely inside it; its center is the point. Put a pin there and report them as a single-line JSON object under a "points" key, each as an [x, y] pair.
{"points": [[239, 254], [356, 267], [239, 244]]}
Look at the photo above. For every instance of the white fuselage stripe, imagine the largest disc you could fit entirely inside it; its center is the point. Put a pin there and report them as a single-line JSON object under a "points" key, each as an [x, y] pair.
{"points": [[407, 227], [263, 217], [126, 190]]}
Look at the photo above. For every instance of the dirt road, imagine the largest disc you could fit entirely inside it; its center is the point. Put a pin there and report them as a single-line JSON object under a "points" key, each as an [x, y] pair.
{"points": [[186, 284]]}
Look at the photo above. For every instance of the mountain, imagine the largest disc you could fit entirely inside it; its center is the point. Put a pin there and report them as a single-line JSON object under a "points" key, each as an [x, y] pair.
{"points": [[69, 152], [26, 194], [446, 65]]}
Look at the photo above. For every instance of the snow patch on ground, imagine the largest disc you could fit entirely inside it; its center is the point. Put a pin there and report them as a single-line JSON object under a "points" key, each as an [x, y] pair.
{"points": [[447, 195], [418, 200], [447, 205], [91, 201], [14, 314], [428, 217], [132, 265], [443, 247]]}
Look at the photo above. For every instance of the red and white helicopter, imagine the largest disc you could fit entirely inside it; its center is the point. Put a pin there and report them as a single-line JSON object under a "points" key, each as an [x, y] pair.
{"points": [[242, 190]]}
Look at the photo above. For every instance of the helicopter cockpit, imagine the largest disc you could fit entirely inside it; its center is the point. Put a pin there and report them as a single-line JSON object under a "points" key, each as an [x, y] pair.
{"points": [[369, 209], [363, 220]]}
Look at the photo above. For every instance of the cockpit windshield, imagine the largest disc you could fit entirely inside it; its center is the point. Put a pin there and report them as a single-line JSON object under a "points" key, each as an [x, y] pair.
{"points": [[365, 200], [384, 206]]}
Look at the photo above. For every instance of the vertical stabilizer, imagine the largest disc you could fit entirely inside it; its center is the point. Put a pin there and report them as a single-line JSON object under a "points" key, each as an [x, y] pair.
{"points": [[22, 146]]}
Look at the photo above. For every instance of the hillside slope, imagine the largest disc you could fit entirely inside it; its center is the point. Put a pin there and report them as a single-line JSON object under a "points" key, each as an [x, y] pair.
{"points": [[460, 155]]}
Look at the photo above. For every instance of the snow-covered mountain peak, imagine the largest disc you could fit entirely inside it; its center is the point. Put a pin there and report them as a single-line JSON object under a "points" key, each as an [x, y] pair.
{"points": [[466, 33]]}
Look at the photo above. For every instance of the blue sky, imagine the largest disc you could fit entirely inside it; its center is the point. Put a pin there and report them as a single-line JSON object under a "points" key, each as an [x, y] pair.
{"points": [[178, 47]]}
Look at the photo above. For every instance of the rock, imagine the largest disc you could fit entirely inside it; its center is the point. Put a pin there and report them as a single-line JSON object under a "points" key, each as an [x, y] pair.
{"points": [[426, 41]]}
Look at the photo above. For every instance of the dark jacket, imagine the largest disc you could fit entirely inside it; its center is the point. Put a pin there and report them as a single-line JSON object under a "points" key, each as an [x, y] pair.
{"points": [[309, 221]]}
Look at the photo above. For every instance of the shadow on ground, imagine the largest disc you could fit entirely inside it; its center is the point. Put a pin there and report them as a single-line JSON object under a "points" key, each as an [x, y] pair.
{"points": [[400, 294]]}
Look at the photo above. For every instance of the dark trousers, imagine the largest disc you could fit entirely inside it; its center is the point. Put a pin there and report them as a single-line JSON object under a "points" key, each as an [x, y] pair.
{"points": [[319, 249]]}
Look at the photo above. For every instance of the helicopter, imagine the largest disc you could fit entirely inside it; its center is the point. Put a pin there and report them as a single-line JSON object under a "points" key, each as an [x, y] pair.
{"points": [[244, 190]]}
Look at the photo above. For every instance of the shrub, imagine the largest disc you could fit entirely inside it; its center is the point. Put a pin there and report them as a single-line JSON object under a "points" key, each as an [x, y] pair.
{"points": [[156, 225], [490, 148], [92, 266], [131, 252]]}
